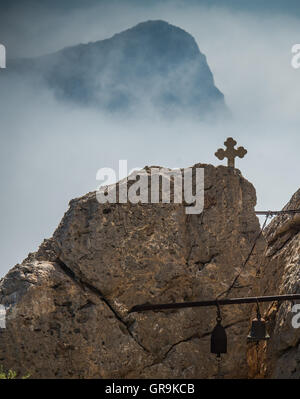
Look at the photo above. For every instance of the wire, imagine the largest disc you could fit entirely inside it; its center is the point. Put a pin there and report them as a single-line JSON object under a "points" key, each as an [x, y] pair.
{"points": [[232, 285], [274, 213]]}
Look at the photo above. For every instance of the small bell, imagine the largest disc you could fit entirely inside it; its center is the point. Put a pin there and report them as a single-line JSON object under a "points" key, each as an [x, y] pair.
{"points": [[258, 330], [218, 340]]}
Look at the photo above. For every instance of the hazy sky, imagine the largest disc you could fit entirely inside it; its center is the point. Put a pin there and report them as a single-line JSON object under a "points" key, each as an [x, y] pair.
{"points": [[50, 152]]}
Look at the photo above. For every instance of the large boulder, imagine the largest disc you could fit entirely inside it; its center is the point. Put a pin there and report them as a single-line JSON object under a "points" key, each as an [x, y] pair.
{"points": [[68, 304]]}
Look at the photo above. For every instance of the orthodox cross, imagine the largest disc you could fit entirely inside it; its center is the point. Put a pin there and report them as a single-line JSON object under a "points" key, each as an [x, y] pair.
{"points": [[230, 153]]}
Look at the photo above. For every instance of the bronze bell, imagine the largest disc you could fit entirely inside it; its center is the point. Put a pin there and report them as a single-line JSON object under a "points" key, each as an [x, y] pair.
{"points": [[258, 330], [218, 339]]}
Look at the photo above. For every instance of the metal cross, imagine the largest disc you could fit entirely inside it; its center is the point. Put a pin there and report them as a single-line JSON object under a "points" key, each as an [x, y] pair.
{"points": [[230, 153]]}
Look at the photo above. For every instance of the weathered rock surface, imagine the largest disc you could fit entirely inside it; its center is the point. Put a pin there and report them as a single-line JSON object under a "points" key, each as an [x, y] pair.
{"points": [[281, 275], [68, 302]]}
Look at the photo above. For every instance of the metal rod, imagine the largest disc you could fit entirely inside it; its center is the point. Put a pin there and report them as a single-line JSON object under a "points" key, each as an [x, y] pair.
{"points": [[230, 301], [277, 212]]}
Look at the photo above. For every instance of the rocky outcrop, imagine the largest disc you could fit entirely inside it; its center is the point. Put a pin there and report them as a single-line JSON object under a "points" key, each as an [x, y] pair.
{"points": [[68, 303], [281, 275]]}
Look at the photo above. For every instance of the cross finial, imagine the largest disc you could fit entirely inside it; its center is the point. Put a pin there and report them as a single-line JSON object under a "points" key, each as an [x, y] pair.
{"points": [[230, 153]]}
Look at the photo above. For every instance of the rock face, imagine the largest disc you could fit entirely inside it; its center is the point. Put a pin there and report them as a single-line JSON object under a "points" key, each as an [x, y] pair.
{"points": [[281, 275], [68, 303], [153, 65]]}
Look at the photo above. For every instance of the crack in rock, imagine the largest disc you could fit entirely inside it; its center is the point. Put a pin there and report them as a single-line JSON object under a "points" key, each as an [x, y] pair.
{"points": [[95, 290], [190, 338]]}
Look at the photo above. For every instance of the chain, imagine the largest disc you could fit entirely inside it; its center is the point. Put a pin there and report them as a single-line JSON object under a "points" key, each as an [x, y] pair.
{"points": [[220, 375], [257, 359]]}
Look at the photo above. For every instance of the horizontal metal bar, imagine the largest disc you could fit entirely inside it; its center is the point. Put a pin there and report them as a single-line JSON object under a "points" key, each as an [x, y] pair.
{"points": [[277, 212], [214, 302]]}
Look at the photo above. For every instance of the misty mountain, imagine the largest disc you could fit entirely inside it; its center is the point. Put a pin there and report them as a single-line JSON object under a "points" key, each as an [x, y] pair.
{"points": [[153, 65]]}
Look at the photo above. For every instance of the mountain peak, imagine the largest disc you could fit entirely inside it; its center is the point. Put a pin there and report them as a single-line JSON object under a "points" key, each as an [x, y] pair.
{"points": [[152, 66]]}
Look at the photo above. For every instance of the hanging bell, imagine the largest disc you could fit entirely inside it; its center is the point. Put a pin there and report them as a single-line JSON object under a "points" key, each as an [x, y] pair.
{"points": [[258, 330], [218, 339]]}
